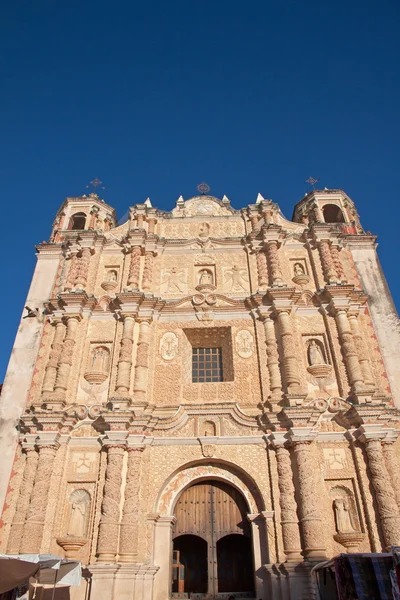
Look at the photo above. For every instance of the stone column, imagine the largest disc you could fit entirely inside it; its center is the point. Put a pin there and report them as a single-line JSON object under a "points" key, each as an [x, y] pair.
{"points": [[124, 366], [290, 358], [93, 215], [254, 222], [274, 263], [82, 269], [25, 491], [309, 506], [287, 502], [361, 349], [55, 355], [163, 525], [348, 349], [275, 382], [337, 263], [142, 362], [36, 513], [134, 268], [384, 494], [139, 221], [152, 224], [67, 353], [267, 215], [107, 543], [128, 543], [72, 273], [148, 271], [262, 268], [327, 262], [392, 465]]}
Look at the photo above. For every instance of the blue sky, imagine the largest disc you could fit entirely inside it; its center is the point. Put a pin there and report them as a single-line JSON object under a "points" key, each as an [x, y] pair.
{"points": [[155, 97]]}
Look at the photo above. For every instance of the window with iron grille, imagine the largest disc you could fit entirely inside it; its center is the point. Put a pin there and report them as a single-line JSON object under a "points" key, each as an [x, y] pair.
{"points": [[206, 365]]}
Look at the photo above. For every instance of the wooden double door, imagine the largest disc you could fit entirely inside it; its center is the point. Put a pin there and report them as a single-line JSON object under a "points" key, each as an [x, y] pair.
{"points": [[212, 546]]}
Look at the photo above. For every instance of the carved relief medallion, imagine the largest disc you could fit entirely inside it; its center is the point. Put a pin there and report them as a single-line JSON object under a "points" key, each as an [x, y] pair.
{"points": [[236, 279], [335, 458], [244, 343], [169, 345]]}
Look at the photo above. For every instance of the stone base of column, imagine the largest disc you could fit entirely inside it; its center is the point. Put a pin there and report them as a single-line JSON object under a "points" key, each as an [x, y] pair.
{"points": [[366, 396], [289, 580], [54, 401], [120, 402], [133, 581], [294, 399]]}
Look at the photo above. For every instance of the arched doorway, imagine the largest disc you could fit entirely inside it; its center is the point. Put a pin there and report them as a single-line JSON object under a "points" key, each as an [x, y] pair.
{"points": [[212, 546]]}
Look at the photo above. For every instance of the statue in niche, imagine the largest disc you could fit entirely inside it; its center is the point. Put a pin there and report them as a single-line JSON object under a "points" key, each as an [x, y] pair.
{"points": [[314, 354], [209, 428], [298, 269], [342, 515], [112, 275], [206, 277], [80, 502], [236, 279], [100, 359], [204, 230]]}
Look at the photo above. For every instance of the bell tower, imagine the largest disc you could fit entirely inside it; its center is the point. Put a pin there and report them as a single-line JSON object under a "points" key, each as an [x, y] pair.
{"points": [[330, 207]]}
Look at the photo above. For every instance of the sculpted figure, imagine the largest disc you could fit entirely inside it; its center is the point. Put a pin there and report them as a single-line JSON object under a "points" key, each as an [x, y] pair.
{"points": [[342, 515], [80, 501], [237, 278], [204, 230], [100, 359], [206, 277], [298, 269], [175, 279], [314, 354], [112, 275]]}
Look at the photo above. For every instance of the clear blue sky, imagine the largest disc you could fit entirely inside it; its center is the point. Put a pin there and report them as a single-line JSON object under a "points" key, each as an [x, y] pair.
{"points": [[155, 97]]}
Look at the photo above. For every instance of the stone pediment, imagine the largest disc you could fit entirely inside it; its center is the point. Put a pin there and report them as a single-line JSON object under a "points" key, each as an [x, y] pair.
{"points": [[202, 206]]}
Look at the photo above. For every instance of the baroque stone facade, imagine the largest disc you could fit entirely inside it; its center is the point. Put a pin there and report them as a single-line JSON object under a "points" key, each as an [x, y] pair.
{"points": [[191, 354]]}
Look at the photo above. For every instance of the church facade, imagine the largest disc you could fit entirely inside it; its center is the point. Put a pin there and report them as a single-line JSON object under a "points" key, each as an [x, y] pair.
{"points": [[204, 401]]}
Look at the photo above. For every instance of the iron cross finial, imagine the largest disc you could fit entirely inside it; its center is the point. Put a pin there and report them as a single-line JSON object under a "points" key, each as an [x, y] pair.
{"points": [[312, 181], [95, 183], [203, 188]]}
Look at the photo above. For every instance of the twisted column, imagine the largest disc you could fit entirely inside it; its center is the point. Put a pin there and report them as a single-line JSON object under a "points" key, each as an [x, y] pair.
{"points": [[25, 491], [142, 362], [67, 353], [128, 543], [262, 268], [107, 543], [328, 266], [267, 215], [72, 273], [274, 263], [55, 355], [290, 359], [384, 493], [310, 516], [148, 271], [348, 349], [134, 268], [275, 382], [36, 513], [82, 269], [287, 502], [392, 465], [361, 349], [124, 366], [337, 263]]}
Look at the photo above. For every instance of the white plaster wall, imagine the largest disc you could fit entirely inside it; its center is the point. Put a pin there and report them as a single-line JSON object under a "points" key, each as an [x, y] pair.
{"points": [[20, 367], [383, 312]]}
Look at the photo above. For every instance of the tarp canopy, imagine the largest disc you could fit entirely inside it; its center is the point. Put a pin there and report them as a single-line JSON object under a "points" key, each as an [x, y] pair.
{"points": [[48, 569]]}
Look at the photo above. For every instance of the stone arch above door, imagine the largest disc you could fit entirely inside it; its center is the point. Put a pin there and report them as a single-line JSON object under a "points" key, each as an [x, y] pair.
{"points": [[185, 477]]}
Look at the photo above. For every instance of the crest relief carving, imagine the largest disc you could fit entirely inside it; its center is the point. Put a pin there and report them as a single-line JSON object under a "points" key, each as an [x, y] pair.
{"points": [[244, 343], [169, 345]]}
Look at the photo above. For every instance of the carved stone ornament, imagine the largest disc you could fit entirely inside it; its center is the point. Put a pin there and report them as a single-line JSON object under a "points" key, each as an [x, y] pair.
{"points": [[71, 545], [350, 540], [169, 345], [206, 206], [244, 343], [208, 450]]}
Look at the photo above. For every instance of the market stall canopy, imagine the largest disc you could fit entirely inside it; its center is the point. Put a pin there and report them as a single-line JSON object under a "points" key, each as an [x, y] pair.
{"points": [[48, 569]]}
